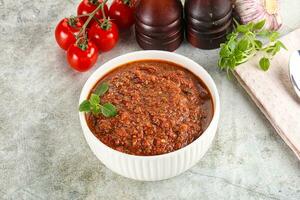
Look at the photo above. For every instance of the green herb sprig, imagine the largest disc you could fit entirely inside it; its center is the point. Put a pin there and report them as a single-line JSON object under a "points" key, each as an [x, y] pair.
{"points": [[244, 42], [94, 105]]}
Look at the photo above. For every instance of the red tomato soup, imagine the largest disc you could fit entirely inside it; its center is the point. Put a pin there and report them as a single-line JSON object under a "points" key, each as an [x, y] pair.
{"points": [[162, 107]]}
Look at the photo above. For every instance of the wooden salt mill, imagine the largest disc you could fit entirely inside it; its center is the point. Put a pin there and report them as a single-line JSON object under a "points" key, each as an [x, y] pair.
{"points": [[208, 22], [159, 24]]}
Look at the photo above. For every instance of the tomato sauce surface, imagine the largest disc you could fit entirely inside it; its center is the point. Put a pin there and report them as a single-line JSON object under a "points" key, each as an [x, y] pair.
{"points": [[162, 107]]}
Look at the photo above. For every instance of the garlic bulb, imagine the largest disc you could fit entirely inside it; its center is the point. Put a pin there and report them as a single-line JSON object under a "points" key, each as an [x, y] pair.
{"points": [[258, 10]]}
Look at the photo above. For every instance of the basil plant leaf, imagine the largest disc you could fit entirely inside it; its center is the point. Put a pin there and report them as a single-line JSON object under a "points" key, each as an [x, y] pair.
{"points": [[85, 106], [259, 25], [109, 110], [264, 63], [274, 36], [243, 45], [102, 89], [94, 99]]}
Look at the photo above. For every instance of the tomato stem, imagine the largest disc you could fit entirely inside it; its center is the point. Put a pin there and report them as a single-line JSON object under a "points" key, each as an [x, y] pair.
{"points": [[82, 43], [72, 21], [83, 15], [103, 11], [105, 24], [90, 17], [97, 20]]}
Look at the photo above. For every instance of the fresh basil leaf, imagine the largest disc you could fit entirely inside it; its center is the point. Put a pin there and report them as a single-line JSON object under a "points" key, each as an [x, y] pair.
{"points": [[250, 26], [109, 110], [242, 28], [224, 52], [85, 106], [274, 36], [228, 36], [231, 44], [276, 49], [239, 56], [264, 33], [232, 36], [259, 25], [281, 45], [264, 63], [258, 44], [94, 99], [222, 63], [231, 62], [243, 45], [102, 89]]}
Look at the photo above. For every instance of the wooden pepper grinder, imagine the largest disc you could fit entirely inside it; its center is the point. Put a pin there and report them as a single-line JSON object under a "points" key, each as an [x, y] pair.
{"points": [[208, 22], [159, 24]]}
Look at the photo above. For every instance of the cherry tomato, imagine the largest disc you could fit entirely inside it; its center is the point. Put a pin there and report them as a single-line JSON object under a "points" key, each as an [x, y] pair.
{"points": [[88, 6], [104, 35], [82, 57], [65, 32], [122, 11]]}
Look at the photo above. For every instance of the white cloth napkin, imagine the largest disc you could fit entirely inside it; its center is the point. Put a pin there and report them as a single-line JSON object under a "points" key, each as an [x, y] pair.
{"points": [[273, 93]]}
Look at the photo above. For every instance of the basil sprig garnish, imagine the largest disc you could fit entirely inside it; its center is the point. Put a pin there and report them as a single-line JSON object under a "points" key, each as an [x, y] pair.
{"points": [[94, 105]]}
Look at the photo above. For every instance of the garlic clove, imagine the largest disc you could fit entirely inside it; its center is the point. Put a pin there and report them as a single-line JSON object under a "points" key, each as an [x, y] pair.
{"points": [[257, 10]]}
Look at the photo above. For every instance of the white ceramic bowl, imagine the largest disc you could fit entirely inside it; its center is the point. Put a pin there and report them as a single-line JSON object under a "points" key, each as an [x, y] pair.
{"points": [[152, 168]]}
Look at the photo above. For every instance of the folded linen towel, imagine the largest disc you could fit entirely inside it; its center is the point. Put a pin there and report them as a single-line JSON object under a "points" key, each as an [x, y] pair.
{"points": [[273, 93]]}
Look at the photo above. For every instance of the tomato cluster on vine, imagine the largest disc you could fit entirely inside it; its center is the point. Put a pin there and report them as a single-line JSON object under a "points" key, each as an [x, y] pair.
{"points": [[95, 29]]}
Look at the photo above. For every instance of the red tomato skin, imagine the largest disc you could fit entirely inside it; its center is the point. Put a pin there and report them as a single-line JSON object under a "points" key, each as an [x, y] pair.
{"points": [[105, 40], [85, 7], [81, 60], [122, 14], [65, 34]]}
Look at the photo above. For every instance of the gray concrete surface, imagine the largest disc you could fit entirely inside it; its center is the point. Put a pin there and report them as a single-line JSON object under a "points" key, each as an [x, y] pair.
{"points": [[43, 154]]}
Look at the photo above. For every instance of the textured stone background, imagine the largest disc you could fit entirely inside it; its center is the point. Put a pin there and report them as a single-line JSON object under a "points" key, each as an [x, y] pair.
{"points": [[43, 154]]}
